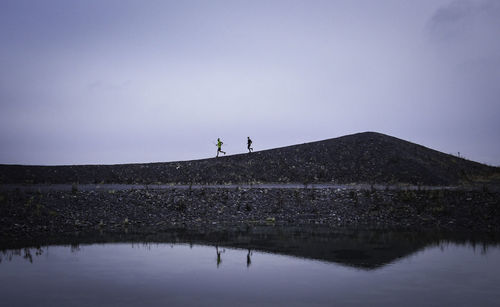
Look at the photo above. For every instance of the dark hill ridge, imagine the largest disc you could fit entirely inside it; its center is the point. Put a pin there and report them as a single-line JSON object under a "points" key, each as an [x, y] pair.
{"points": [[367, 157]]}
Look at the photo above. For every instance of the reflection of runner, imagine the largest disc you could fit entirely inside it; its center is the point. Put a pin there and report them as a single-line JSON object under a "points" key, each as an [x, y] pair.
{"points": [[218, 255], [249, 260], [249, 143], [219, 145]]}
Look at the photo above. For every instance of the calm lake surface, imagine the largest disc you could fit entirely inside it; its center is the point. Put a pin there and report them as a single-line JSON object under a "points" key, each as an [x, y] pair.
{"points": [[440, 273]]}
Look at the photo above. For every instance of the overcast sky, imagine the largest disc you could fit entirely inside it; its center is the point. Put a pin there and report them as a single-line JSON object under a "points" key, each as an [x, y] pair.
{"points": [[95, 81]]}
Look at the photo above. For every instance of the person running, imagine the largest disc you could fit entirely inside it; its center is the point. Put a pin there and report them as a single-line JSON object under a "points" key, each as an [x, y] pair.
{"points": [[249, 143], [219, 145]]}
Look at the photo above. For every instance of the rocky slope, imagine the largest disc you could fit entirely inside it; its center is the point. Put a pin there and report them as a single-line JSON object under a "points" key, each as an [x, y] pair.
{"points": [[25, 214], [362, 158]]}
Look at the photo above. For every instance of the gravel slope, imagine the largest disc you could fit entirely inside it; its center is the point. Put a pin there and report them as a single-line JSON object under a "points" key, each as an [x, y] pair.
{"points": [[359, 158]]}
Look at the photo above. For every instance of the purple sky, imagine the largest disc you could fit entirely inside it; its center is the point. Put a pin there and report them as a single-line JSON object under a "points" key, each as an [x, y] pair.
{"points": [[95, 81]]}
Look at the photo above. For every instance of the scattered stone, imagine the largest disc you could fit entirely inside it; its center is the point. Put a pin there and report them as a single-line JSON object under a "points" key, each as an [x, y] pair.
{"points": [[25, 213]]}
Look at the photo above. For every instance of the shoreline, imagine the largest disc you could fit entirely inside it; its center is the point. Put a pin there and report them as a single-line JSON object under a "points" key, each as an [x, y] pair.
{"points": [[47, 213]]}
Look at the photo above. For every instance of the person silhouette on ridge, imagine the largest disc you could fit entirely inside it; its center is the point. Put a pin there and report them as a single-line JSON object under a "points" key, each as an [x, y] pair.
{"points": [[249, 143], [219, 145]]}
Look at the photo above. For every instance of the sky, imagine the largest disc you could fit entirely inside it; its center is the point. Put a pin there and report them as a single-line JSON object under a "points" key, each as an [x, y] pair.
{"points": [[133, 81]]}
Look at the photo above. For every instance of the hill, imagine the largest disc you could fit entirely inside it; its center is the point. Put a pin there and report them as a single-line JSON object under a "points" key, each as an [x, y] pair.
{"points": [[367, 157]]}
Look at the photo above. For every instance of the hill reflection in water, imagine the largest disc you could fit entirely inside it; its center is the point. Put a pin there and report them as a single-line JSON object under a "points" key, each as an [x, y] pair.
{"points": [[259, 266], [362, 249]]}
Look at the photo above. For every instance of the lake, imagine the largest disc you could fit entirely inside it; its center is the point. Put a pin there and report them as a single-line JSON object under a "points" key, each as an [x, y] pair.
{"points": [[257, 267]]}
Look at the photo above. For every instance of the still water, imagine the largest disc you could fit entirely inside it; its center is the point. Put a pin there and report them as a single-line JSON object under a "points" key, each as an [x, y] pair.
{"points": [[443, 273]]}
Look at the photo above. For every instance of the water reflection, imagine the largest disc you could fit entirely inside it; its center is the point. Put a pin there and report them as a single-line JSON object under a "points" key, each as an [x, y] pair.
{"points": [[249, 260], [444, 273], [361, 249], [218, 255], [25, 253], [28, 253]]}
